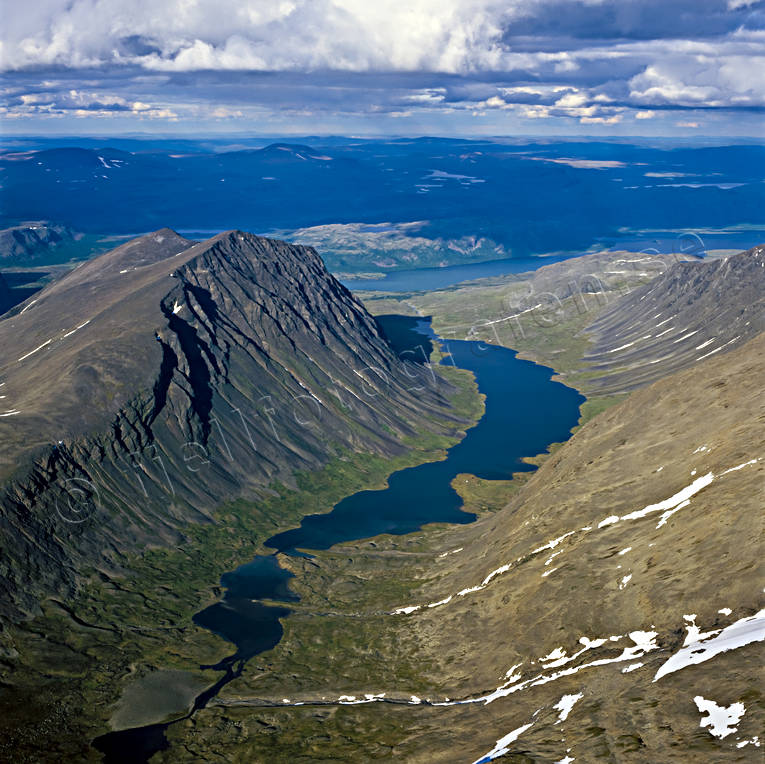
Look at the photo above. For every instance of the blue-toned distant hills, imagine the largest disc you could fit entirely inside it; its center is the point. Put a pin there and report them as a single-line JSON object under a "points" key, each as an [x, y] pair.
{"points": [[508, 199]]}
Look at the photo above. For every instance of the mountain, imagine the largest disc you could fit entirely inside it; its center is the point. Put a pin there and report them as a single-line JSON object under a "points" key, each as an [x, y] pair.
{"points": [[690, 312], [239, 358], [31, 242], [620, 583], [459, 191]]}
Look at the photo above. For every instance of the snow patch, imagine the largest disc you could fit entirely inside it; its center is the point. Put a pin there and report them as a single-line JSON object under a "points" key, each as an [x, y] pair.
{"points": [[503, 744], [722, 721], [40, 347], [565, 704], [622, 347], [743, 632]]}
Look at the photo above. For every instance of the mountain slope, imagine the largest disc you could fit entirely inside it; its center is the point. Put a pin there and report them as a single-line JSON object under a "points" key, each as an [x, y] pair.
{"points": [[182, 375], [25, 244], [585, 621], [646, 525], [690, 312]]}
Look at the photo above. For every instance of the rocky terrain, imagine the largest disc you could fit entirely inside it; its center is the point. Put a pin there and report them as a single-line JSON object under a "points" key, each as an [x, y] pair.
{"points": [[153, 382]]}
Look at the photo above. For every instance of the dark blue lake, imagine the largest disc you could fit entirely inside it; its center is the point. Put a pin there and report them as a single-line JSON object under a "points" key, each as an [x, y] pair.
{"points": [[525, 412]]}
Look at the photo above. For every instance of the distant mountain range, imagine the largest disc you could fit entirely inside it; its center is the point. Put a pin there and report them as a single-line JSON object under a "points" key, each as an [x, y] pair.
{"points": [[472, 200], [31, 243]]}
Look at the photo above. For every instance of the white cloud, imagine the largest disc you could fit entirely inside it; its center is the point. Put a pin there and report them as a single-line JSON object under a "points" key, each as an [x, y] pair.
{"points": [[728, 79], [136, 47], [178, 35], [572, 99], [612, 120]]}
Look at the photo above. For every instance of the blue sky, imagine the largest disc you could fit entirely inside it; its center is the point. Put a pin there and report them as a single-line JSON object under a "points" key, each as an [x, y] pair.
{"points": [[384, 67]]}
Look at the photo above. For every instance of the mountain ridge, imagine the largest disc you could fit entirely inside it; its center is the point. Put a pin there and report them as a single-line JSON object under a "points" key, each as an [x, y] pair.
{"points": [[238, 354]]}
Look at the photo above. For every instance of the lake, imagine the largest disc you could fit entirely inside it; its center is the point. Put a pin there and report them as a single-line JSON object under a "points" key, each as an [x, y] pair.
{"points": [[525, 412]]}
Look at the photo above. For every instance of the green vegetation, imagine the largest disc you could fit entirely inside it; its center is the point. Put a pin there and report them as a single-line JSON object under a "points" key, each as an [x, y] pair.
{"points": [[73, 656], [482, 496]]}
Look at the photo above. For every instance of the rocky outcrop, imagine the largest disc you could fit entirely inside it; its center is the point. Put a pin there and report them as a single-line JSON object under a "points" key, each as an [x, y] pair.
{"points": [[183, 375]]}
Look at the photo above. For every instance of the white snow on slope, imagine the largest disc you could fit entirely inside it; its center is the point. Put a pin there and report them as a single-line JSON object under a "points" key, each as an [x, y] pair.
{"points": [[722, 721], [76, 328], [503, 744], [668, 507], [685, 336], [40, 347], [743, 632], [27, 307], [717, 350], [565, 704]]}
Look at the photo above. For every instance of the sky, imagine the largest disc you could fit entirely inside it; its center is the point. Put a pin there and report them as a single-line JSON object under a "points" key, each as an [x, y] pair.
{"points": [[384, 67]]}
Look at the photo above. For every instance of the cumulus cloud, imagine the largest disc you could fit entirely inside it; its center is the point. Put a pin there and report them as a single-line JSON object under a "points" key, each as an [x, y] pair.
{"points": [[584, 61]]}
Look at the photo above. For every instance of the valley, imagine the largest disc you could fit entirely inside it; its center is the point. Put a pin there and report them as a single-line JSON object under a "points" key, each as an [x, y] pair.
{"points": [[376, 649], [382, 382]]}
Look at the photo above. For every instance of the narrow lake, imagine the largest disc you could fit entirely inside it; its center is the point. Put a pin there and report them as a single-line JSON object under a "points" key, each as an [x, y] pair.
{"points": [[525, 412]]}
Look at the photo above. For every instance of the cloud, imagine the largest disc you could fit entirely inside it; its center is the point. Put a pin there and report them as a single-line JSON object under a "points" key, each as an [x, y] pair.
{"points": [[704, 79], [578, 61], [81, 104]]}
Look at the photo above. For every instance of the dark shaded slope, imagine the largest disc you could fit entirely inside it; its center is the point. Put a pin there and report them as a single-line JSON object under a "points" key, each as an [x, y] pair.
{"points": [[25, 244], [6, 296], [691, 312], [184, 375]]}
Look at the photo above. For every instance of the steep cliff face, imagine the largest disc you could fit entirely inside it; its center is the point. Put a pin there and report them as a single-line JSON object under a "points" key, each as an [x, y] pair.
{"points": [[692, 311], [157, 381]]}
